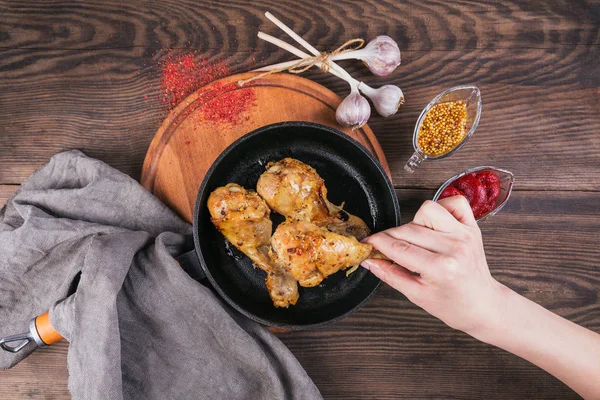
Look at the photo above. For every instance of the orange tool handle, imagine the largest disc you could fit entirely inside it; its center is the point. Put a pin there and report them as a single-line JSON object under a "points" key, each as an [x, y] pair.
{"points": [[45, 330]]}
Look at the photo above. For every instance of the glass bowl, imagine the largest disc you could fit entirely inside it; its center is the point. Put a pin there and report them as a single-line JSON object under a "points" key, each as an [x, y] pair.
{"points": [[507, 180], [472, 96]]}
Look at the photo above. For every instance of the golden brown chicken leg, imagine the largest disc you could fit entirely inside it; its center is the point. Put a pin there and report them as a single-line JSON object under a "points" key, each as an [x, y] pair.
{"points": [[295, 190], [243, 218], [311, 253]]}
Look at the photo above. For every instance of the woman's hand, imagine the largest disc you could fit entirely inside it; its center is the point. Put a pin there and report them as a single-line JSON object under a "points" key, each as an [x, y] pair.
{"points": [[443, 246], [441, 267]]}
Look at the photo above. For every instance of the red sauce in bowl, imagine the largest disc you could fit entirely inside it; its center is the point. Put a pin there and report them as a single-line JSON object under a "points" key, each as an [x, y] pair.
{"points": [[481, 189]]}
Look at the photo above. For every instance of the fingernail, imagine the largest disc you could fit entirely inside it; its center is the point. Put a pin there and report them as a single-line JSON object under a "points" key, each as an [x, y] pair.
{"points": [[366, 265]]}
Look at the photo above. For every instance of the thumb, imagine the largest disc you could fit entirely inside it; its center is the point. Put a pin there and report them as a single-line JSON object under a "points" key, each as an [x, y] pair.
{"points": [[459, 207], [394, 275]]}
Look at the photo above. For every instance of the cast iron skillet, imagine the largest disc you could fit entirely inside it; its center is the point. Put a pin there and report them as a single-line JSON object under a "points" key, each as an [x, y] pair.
{"points": [[352, 175]]}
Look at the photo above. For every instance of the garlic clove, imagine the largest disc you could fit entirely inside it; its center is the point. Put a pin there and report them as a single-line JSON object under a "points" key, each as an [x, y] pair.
{"points": [[386, 99], [381, 55], [354, 110]]}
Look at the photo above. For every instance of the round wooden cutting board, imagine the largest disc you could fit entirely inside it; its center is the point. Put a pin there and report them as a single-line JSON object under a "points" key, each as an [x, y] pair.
{"points": [[184, 147]]}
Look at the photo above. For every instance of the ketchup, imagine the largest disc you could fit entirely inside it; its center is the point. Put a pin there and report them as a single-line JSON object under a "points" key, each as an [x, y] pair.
{"points": [[481, 189]]}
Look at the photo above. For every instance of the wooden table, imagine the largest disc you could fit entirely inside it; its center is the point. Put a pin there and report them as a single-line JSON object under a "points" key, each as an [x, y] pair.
{"points": [[82, 75]]}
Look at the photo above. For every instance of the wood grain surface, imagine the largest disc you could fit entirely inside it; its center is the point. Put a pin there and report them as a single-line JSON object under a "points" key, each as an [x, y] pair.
{"points": [[83, 75], [6, 192]]}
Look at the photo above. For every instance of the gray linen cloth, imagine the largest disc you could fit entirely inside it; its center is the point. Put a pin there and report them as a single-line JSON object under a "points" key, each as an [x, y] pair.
{"points": [[139, 327]]}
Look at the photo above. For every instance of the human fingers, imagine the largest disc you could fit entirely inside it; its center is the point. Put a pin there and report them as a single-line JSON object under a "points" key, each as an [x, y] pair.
{"points": [[435, 241], [460, 209], [404, 253], [394, 275], [434, 216]]}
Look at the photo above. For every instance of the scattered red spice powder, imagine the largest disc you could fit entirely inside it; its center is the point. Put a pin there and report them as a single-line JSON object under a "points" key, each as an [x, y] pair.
{"points": [[227, 103], [182, 74]]}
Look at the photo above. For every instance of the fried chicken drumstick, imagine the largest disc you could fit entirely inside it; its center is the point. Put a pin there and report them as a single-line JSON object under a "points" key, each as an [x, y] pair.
{"points": [[311, 253], [317, 239], [296, 191], [243, 218]]}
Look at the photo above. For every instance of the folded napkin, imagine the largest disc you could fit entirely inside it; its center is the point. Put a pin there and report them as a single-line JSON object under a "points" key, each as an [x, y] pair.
{"points": [[91, 245]]}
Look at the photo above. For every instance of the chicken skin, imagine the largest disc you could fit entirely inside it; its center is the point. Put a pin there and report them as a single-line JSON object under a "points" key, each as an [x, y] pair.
{"points": [[296, 191], [243, 218], [311, 253]]}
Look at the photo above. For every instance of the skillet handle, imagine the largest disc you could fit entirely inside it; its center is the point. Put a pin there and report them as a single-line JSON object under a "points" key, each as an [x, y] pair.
{"points": [[190, 264]]}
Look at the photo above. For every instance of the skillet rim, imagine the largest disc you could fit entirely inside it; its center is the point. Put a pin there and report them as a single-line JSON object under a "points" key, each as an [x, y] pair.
{"points": [[209, 173]]}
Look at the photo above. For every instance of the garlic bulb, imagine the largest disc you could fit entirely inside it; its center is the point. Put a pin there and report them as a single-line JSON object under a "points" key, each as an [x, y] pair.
{"points": [[381, 55], [354, 111], [386, 99]]}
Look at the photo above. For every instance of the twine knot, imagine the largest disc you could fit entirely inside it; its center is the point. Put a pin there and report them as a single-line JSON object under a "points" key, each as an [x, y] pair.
{"points": [[322, 60]]}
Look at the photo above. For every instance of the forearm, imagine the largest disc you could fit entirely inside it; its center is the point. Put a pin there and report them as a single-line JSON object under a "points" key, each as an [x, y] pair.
{"points": [[566, 350], [439, 264]]}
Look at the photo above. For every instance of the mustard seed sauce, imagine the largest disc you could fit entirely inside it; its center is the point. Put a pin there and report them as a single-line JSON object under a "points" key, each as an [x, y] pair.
{"points": [[443, 128]]}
